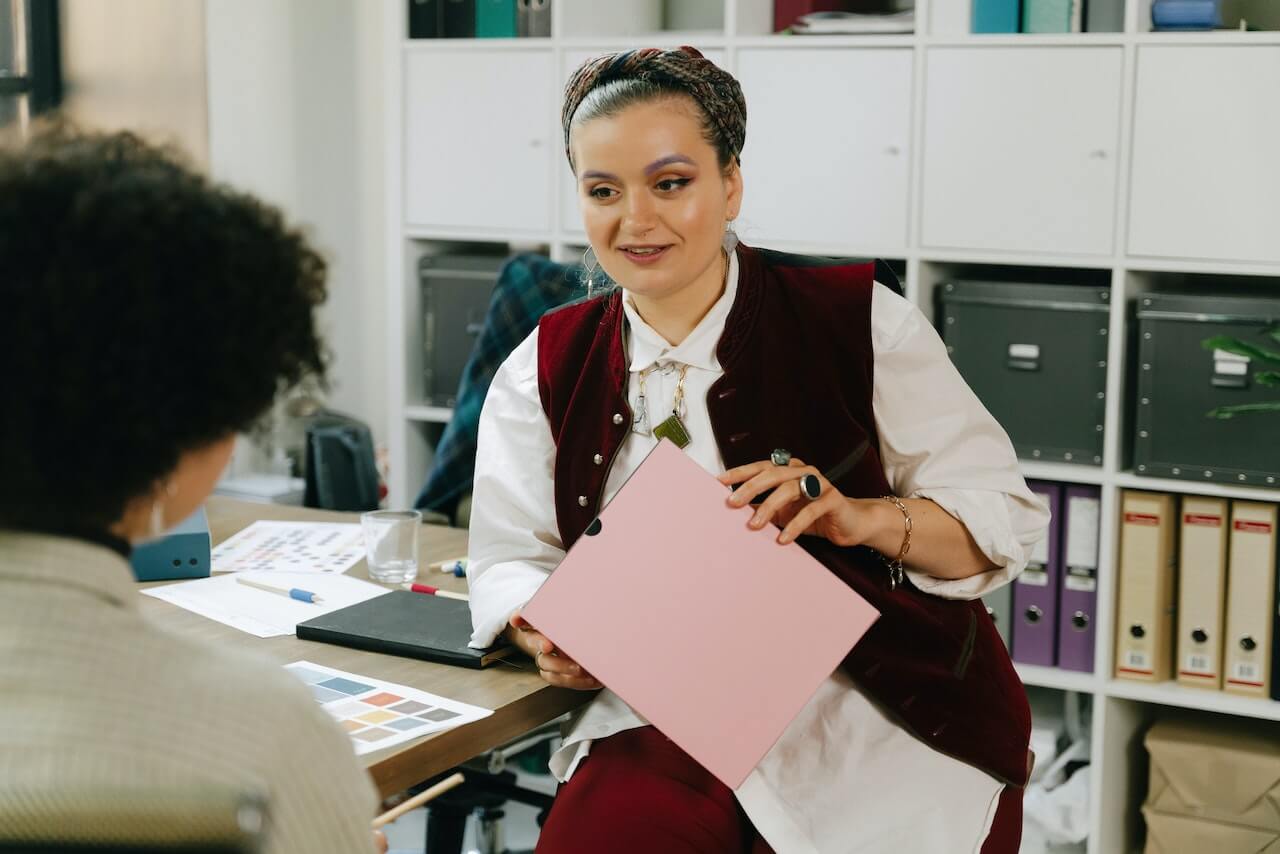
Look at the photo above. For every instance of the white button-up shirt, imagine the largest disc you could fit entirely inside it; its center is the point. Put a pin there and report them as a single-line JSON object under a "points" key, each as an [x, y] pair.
{"points": [[843, 777]]}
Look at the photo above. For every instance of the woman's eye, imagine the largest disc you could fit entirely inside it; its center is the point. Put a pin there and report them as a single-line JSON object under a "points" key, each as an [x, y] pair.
{"points": [[666, 185], [601, 192]]}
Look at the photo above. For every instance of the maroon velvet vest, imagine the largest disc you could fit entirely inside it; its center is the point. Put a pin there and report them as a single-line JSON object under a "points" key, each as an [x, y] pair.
{"points": [[797, 358]]}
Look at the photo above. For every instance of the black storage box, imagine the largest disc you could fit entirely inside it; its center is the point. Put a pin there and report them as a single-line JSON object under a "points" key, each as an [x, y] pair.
{"points": [[1179, 382], [456, 290], [1036, 356]]}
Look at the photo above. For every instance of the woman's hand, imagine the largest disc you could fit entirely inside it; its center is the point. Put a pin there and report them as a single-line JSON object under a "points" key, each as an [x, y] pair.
{"points": [[554, 666], [843, 521]]}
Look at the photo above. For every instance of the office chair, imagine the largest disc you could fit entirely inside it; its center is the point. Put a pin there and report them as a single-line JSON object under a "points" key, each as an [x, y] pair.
{"points": [[488, 785], [96, 820]]}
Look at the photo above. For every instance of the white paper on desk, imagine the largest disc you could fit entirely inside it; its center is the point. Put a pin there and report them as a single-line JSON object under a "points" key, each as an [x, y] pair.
{"points": [[379, 714], [260, 612], [291, 546]]}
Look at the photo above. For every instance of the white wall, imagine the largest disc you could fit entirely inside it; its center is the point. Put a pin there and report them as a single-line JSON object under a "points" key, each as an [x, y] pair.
{"points": [[295, 116], [137, 64]]}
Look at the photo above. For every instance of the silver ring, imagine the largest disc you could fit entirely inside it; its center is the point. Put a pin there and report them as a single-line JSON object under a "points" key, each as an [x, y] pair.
{"points": [[780, 457], [810, 487]]}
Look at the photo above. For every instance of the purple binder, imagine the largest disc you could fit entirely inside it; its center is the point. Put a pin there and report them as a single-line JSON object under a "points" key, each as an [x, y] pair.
{"points": [[1035, 592], [1077, 625]]}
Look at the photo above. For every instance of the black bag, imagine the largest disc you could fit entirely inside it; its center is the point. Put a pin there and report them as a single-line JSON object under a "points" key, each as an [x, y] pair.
{"points": [[341, 471]]}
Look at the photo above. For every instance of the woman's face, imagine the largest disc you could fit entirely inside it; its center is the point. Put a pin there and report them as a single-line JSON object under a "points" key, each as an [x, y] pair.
{"points": [[653, 197]]}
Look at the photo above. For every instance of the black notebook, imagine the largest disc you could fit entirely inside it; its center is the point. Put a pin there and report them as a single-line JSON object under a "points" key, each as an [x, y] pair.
{"points": [[416, 625]]}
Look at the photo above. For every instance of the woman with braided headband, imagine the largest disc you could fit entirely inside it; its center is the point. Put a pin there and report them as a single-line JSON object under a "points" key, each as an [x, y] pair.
{"points": [[821, 395]]}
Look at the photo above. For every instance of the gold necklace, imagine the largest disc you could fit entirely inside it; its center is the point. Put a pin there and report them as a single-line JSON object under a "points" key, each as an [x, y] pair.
{"points": [[672, 428]]}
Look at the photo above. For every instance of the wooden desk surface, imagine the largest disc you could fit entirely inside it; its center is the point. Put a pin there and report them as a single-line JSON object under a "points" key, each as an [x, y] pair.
{"points": [[521, 701]]}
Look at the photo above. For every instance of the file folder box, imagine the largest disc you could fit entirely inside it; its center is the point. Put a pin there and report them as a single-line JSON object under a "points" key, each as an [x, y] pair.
{"points": [[1036, 356], [1077, 627], [1035, 591], [1202, 590], [1179, 382], [999, 605], [1144, 618], [1251, 583], [456, 290]]}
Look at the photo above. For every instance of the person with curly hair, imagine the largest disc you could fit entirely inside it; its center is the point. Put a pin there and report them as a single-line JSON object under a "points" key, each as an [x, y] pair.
{"points": [[146, 316], [830, 404]]}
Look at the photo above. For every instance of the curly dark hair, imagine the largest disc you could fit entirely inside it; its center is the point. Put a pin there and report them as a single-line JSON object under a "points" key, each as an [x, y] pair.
{"points": [[144, 312]]}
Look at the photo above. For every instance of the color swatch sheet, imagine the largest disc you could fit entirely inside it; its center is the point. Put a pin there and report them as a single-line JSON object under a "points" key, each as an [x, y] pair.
{"points": [[292, 547], [379, 714], [654, 599], [260, 612]]}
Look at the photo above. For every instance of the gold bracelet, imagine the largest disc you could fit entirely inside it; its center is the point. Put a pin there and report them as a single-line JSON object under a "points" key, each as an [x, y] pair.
{"points": [[896, 573]]}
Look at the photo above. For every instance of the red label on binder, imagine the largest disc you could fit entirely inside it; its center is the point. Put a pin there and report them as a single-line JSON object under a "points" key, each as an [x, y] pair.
{"points": [[1142, 519], [1253, 527], [1203, 519]]}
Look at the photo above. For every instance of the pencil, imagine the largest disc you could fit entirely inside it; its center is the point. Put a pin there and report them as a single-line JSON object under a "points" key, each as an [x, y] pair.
{"points": [[419, 799], [291, 592], [436, 591]]}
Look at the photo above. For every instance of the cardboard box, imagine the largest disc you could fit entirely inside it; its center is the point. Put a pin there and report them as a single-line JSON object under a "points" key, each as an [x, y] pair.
{"points": [[1214, 774], [1178, 834]]}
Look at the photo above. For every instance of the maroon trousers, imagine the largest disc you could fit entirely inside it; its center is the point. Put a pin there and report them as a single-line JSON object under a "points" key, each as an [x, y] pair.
{"points": [[639, 793]]}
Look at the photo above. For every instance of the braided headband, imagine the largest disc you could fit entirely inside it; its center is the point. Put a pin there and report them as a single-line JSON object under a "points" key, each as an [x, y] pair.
{"points": [[684, 69]]}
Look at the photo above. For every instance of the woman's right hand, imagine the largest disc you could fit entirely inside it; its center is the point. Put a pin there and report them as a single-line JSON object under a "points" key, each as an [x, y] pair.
{"points": [[554, 666]]}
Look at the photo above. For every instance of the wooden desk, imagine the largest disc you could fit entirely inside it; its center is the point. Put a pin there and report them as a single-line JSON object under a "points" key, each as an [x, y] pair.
{"points": [[520, 700]]}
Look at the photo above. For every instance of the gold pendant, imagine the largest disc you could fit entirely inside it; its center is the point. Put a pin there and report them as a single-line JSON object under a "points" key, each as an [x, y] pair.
{"points": [[673, 428]]}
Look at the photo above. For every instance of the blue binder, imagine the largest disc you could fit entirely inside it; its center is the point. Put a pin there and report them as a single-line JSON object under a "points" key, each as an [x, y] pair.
{"points": [[496, 19], [1185, 14], [996, 16]]}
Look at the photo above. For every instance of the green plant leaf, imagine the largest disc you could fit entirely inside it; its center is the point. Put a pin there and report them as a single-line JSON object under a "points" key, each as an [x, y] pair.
{"points": [[1240, 348], [1225, 412], [1274, 332], [1267, 377]]}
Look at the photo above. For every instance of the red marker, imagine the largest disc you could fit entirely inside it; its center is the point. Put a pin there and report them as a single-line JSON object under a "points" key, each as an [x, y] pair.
{"points": [[436, 591]]}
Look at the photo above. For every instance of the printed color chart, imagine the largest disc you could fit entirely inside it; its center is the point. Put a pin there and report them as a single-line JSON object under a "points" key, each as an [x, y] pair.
{"points": [[380, 714], [291, 546]]}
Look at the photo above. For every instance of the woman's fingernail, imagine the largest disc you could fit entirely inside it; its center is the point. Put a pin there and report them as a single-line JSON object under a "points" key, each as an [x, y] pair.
{"points": [[756, 521]]}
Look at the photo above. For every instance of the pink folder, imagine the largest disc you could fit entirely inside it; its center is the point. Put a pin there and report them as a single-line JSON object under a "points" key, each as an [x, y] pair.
{"points": [[713, 632]]}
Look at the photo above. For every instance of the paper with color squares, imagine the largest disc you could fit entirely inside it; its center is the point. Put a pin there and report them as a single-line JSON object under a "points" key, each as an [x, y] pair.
{"points": [[292, 547], [379, 714], [260, 612], [712, 631]]}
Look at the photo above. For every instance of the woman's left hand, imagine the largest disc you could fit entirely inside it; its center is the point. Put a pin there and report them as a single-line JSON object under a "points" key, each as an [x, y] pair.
{"points": [[843, 521]]}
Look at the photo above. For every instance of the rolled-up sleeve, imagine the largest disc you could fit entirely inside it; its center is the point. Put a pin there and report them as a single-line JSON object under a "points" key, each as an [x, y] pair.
{"points": [[939, 442], [514, 540]]}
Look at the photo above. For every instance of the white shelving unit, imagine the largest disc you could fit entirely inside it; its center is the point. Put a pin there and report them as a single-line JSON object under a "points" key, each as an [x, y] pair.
{"points": [[954, 152]]}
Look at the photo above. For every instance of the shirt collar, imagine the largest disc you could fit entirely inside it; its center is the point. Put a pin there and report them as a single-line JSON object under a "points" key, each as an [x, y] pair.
{"points": [[698, 349], [67, 563]]}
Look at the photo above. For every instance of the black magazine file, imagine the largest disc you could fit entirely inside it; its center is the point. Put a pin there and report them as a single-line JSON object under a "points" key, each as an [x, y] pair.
{"points": [[341, 471]]}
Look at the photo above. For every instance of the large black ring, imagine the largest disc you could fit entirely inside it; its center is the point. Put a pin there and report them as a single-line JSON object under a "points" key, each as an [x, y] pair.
{"points": [[810, 487], [780, 457]]}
